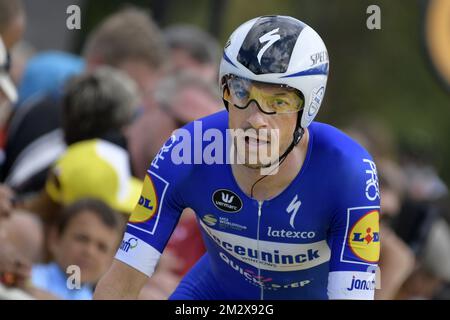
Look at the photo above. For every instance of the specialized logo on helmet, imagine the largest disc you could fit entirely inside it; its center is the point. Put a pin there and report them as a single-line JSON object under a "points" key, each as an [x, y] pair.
{"points": [[148, 203], [227, 200], [364, 237], [268, 45], [270, 37]]}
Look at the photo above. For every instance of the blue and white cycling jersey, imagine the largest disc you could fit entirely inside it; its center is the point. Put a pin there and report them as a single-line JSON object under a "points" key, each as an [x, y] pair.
{"points": [[317, 239]]}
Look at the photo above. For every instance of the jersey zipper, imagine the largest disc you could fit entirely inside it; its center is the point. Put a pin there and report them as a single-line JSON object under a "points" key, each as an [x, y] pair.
{"points": [[260, 203]]}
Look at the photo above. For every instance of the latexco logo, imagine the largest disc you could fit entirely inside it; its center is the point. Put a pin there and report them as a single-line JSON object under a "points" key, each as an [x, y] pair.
{"points": [[226, 200], [129, 244], [273, 233]]}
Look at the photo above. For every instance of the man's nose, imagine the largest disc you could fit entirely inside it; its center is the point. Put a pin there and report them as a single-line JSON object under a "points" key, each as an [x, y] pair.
{"points": [[255, 117], [90, 249]]}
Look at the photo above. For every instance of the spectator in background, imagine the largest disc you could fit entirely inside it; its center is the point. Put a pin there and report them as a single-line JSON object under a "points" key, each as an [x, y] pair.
{"points": [[180, 98], [99, 105], [22, 240], [396, 258], [130, 41], [24, 231], [193, 50], [12, 26], [46, 74], [20, 55], [91, 168], [34, 139], [432, 271], [87, 236], [8, 92], [96, 109], [12, 22]]}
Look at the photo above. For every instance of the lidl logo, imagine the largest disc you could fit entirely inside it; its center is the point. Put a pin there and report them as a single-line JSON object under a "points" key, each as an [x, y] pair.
{"points": [[148, 203], [364, 237]]}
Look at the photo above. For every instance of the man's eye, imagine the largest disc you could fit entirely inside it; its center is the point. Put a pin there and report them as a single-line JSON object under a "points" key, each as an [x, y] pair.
{"points": [[240, 94], [279, 103]]}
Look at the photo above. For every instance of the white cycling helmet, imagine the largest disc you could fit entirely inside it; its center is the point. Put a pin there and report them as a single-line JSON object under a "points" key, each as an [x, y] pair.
{"points": [[280, 50]]}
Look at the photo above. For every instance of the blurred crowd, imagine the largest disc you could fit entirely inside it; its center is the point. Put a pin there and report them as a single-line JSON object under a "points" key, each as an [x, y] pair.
{"points": [[78, 134]]}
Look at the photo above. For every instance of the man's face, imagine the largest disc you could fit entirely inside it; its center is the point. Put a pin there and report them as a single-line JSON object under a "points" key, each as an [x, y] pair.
{"points": [[14, 31], [251, 120], [88, 243], [182, 62], [145, 77], [192, 103]]}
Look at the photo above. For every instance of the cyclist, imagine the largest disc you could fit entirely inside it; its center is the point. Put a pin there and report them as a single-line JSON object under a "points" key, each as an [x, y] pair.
{"points": [[305, 229]]}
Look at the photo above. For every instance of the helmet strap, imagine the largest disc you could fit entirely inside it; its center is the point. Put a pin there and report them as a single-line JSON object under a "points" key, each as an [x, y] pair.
{"points": [[225, 103], [297, 137]]}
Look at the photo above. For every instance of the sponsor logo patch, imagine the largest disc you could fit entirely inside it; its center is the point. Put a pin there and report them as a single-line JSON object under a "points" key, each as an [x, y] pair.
{"points": [[210, 220], [148, 208], [261, 281], [270, 255], [147, 204], [363, 236], [227, 201], [222, 223], [129, 244]]}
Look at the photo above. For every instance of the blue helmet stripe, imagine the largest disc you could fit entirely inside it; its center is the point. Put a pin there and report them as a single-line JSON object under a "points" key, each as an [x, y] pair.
{"points": [[228, 59], [322, 69]]}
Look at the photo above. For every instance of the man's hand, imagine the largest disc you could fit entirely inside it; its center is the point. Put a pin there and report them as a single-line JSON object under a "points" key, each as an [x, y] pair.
{"points": [[15, 270]]}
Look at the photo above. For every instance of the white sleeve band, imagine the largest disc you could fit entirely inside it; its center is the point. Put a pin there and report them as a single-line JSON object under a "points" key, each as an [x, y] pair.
{"points": [[138, 254], [354, 285]]}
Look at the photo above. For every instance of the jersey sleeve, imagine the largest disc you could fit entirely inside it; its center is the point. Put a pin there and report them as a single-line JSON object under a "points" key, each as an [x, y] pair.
{"points": [[354, 231], [157, 212]]}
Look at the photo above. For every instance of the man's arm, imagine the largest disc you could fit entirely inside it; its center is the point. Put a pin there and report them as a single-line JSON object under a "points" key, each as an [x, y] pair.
{"points": [[148, 230], [120, 282], [354, 231]]}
